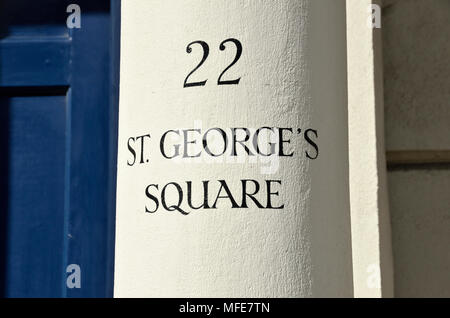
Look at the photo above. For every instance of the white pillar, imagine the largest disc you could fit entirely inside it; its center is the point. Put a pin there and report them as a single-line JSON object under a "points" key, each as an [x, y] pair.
{"points": [[371, 232], [292, 75]]}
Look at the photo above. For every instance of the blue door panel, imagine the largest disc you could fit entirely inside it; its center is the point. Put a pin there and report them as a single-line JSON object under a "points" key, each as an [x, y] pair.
{"points": [[33, 62], [35, 185], [58, 137], [30, 18]]}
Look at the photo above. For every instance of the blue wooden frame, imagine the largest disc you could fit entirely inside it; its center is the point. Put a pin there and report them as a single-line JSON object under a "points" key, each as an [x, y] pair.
{"points": [[67, 65], [114, 128], [99, 286]]}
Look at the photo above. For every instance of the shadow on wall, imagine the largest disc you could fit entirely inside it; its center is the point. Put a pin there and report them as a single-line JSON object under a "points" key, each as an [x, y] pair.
{"points": [[4, 164], [4, 177], [417, 118]]}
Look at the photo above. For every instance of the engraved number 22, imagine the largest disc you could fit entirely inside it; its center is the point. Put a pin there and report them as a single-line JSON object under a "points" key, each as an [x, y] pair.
{"points": [[205, 48]]}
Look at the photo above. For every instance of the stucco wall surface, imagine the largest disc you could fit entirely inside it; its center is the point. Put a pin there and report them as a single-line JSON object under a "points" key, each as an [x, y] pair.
{"points": [[371, 230], [420, 208], [293, 74], [417, 74], [417, 107]]}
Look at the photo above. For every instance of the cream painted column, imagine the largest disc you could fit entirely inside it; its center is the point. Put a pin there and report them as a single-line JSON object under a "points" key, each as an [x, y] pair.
{"points": [[271, 225], [371, 230]]}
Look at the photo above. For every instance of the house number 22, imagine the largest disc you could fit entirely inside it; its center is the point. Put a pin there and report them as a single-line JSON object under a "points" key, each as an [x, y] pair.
{"points": [[205, 48]]}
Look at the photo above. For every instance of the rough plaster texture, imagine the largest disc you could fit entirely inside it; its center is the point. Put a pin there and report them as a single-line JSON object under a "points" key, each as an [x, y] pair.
{"points": [[417, 74], [417, 101], [420, 209], [293, 71], [371, 233]]}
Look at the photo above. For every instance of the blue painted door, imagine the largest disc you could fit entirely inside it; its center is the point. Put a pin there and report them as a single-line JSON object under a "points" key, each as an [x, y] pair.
{"points": [[58, 127]]}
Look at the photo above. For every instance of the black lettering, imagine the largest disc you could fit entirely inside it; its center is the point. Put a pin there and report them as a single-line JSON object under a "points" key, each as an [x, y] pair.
{"points": [[312, 143], [225, 142], [161, 144], [270, 193], [205, 195], [241, 142], [152, 197], [223, 185], [245, 194], [133, 152], [186, 143], [256, 142], [173, 207], [283, 141], [142, 145]]}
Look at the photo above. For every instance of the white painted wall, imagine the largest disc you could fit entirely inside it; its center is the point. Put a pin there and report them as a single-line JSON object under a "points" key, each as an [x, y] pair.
{"points": [[417, 104], [417, 69], [371, 229], [420, 205], [293, 71]]}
